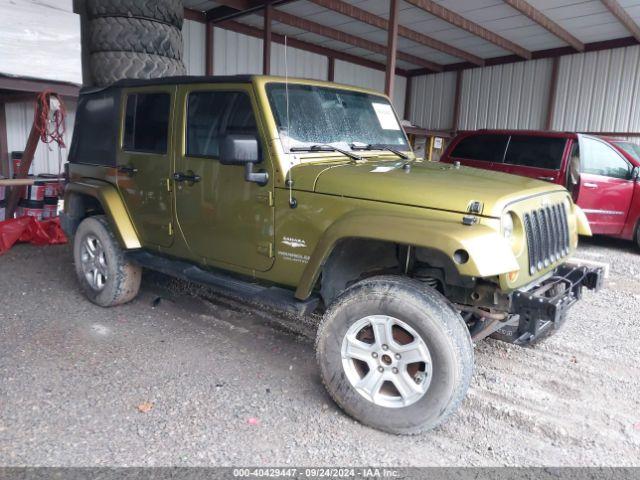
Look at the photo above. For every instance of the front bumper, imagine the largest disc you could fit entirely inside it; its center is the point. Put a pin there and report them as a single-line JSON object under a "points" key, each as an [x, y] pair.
{"points": [[538, 310]]}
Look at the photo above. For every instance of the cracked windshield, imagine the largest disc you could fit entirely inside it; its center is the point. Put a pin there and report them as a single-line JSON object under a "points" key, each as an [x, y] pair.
{"points": [[330, 119]]}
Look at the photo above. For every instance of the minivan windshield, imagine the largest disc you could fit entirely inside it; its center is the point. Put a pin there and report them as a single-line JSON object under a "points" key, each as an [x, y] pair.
{"points": [[325, 116], [631, 148]]}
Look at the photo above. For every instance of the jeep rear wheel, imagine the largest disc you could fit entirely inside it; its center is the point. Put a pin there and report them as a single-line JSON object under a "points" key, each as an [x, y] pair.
{"points": [[395, 355], [106, 277]]}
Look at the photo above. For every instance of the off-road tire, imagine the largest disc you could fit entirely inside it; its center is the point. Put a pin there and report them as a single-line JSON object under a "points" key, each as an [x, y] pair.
{"points": [[121, 34], [433, 318], [123, 282], [109, 67], [170, 12]]}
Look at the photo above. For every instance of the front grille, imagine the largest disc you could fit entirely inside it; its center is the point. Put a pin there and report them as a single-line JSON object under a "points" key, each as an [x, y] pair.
{"points": [[547, 233]]}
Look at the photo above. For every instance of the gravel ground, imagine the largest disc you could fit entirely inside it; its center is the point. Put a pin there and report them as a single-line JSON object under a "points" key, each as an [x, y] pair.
{"points": [[175, 378]]}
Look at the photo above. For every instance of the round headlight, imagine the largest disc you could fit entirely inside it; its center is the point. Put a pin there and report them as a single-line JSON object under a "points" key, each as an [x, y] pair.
{"points": [[507, 226]]}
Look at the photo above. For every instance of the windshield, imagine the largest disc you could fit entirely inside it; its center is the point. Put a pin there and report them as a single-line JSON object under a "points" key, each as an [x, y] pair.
{"points": [[631, 148], [330, 116]]}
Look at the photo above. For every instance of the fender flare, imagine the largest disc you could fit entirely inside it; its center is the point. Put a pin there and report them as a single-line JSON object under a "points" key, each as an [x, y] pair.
{"points": [[113, 206], [582, 222], [489, 252]]}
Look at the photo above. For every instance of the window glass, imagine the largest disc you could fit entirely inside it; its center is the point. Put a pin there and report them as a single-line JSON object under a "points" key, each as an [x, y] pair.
{"points": [[487, 148], [332, 116], [211, 115], [147, 122], [598, 158], [532, 151], [631, 148]]}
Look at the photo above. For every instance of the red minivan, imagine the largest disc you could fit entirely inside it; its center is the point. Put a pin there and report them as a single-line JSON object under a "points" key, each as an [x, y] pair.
{"points": [[601, 173]]}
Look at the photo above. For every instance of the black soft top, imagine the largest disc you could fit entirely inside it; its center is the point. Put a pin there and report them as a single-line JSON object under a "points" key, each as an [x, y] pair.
{"points": [[178, 80], [95, 134]]}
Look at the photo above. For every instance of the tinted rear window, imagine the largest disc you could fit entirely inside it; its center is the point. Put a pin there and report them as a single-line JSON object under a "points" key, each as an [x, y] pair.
{"points": [[487, 148], [147, 122], [95, 130], [532, 151]]}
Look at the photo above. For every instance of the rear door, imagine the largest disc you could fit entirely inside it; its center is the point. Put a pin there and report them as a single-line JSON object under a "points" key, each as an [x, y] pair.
{"points": [[145, 162], [484, 151], [605, 187], [536, 157]]}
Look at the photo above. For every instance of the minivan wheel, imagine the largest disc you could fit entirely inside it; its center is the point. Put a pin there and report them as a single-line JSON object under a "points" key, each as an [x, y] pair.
{"points": [[395, 355], [106, 277]]}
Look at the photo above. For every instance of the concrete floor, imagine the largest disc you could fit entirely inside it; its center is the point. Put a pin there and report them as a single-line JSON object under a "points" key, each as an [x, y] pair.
{"points": [[175, 378]]}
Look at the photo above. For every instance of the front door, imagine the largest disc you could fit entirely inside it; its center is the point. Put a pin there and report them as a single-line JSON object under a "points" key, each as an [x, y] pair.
{"points": [[605, 188], [225, 220], [145, 162]]}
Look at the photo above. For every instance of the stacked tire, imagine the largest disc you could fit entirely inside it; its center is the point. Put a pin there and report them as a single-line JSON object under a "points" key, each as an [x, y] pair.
{"points": [[134, 39]]}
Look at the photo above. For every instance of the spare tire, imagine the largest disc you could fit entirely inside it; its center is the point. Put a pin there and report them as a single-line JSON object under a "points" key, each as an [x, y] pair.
{"points": [[109, 67], [114, 34], [167, 11]]}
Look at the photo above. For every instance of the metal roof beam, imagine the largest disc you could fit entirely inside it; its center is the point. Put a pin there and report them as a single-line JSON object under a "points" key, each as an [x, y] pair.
{"points": [[545, 22], [230, 9], [306, 46], [548, 53], [369, 18], [459, 21], [621, 14], [344, 37]]}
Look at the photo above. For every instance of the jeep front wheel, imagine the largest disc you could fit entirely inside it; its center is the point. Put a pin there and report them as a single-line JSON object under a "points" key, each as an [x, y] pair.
{"points": [[395, 355], [107, 278]]}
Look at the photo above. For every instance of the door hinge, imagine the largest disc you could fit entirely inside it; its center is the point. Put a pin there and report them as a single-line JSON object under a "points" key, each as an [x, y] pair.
{"points": [[167, 182], [266, 249], [266, 198], [170, 228]]}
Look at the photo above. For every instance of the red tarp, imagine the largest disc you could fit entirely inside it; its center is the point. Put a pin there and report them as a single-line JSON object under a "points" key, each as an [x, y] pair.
{"points": [[28, 229]]}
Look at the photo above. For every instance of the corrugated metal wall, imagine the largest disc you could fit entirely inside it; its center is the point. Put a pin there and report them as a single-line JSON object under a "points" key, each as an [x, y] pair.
{"points": [[299, 63], [193, 39], [19, 121], [599, 91], [235, 53], [505, 96], [432, 100]]}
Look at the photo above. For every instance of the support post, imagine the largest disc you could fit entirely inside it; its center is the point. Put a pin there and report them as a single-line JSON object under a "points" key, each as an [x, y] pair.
{"points": [[266, 41], [208, 48], [4, 143], [392, 47], [407, 99], [331, 67], [553, 87], [456, 102]]}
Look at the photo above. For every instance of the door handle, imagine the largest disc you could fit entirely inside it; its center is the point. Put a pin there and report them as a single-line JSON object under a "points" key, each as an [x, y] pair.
{"points": [[186, 177], [128, 169], [547, 179], [590, 185]]}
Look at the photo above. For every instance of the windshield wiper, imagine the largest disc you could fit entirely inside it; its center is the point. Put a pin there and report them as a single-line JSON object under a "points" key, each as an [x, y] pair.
{"points": [[378, 146], [326, 148]]}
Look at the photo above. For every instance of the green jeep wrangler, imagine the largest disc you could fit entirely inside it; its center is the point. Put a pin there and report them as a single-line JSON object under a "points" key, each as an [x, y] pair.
{"points": [[305, 196]]}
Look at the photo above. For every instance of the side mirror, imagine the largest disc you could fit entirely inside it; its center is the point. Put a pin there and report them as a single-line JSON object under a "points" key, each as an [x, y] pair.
{"points": [[243, 150], [635, 174]]}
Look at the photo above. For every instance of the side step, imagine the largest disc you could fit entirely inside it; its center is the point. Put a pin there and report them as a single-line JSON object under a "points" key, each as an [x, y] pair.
{"points": [[279, 299]]}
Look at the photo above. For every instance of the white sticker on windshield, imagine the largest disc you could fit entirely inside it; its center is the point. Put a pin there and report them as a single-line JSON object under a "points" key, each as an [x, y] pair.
{"points": [[386, 117]]}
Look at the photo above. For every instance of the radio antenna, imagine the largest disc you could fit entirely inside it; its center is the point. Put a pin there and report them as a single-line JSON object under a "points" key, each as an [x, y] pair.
{"points": [[292, 201]]}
